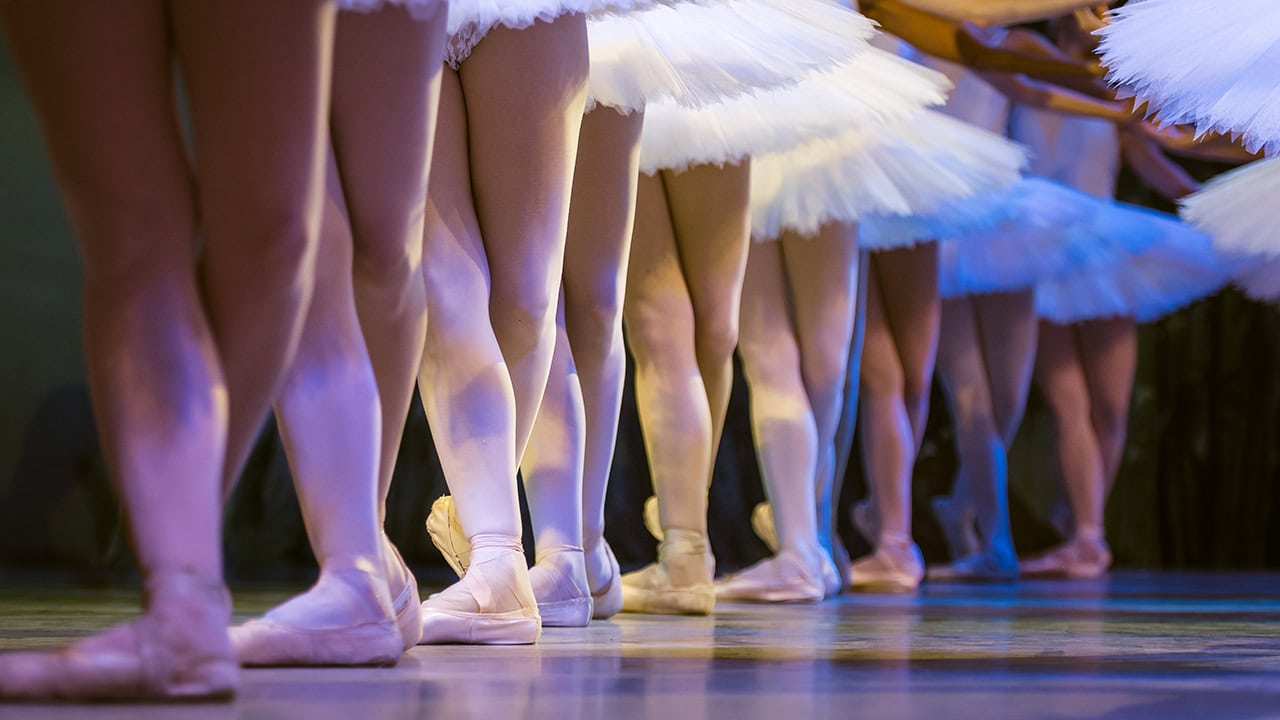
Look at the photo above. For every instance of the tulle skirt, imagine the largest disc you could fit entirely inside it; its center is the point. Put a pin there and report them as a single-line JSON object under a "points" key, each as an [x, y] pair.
{"points": [[1045, 230], [1211, 64], [874, 88], [470, 20], [418, 9], [1239, 209], [1258, 278], [911, 167], [698, 53], [1175, 270]]}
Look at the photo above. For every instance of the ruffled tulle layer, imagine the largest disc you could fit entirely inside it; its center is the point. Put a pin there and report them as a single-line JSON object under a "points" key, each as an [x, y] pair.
{"points": [[874, 88], [1210, 64], [698, 53], [908, 168], [1258, 278], [1177, 269], [1239, 209], [470, 20], [418, 9], [1047, 230]]}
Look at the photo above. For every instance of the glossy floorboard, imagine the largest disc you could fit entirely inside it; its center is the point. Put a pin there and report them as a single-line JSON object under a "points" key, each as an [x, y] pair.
{"points": [[1134, 646]]}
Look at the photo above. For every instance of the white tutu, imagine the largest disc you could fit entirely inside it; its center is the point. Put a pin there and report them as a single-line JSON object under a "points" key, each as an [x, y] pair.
{"points": [[1239, 209], [874, 88], [1211, 64], [1258, 278], [469, 20], [910, 167], [418, 9], [1175, 270], [698, 53]]}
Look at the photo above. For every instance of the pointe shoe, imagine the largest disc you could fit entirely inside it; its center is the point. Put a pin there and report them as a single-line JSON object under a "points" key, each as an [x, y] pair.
{"points": [[981, 567], [445, 531], [178, 650], [652, 523], [783, 578], [893, 567], [493, 603], [1077, 559], [407, 604], [832, 584], [344, 620], [680, 583], [606, 595], [958, 527], [559, 580], [865, 521], [764, 527]]}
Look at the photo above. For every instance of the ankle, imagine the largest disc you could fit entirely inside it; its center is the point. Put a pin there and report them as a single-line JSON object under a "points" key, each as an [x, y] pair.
{"points": [[487, 546]]}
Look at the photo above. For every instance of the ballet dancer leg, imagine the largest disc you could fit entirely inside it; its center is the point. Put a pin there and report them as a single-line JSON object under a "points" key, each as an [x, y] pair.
{"points": [[824, 272], [389, 61], [329, 410], [1109, 351], [665, 328], [466, 393], [101, 79], [1060, 374], [902, 334], [848, 421], [785, 435]]}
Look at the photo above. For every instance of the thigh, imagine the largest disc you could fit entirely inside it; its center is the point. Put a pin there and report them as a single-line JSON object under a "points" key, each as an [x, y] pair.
{"points": [[656, 293], [1008, 332], [525, 91], [822, 274], [386, 82], [765, 315], [602, 209], [909, 286], [100, 77], [710, 211], [453, 254], [258, 79], [1109, 354]]}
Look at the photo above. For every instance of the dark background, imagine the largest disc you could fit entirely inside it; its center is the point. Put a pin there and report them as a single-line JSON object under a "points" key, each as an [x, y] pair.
{"points": [[1198, 488]]}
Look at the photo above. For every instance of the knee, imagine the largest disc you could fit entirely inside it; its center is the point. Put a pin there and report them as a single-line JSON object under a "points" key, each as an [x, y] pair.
{"points": [[523, 317], [276, 241], [389, 259], [880, 380], [824, 377], [1109, 422], [716, 337], [973, 418], [658, 332], [594, 319]]}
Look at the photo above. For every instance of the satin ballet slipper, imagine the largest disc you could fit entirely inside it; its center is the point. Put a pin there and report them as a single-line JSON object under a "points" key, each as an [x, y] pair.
{"points": [[407, 604], [445, 531], [559, 580], [345, 619], [176, 651], [493, 603], [997, 565], [680, 583], [958, 527], [895, 566], [1081, 558], [606, 594], [765, 528], [784, 578]]}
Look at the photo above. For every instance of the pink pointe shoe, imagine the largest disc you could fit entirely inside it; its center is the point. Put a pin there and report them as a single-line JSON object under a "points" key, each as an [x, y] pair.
{"points": [[783, 578], [558, 577], [1080, 558], [345, 619], [894, 567], [407, 604], [493, 603], [605, 582], [680, 583], [177, 651]]}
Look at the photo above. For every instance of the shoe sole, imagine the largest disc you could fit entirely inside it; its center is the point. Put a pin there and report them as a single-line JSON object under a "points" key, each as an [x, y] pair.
{"points": [[440, 628], [262, 644], [669, 602]]}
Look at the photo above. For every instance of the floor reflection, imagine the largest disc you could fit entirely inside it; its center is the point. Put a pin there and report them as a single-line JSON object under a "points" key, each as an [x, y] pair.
{"points": [[1135, 646]]}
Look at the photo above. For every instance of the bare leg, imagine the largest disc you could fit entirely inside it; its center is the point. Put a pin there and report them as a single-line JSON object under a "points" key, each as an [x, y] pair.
{"points": [[711, 215], [101, 80], [902, 336], [1109, 351], [785, 434], [670, 397], [466, 390], [1059, 371], [824, 272], [848, 419], [258, 126], [522, 173], [329, 420], [601, 217]]}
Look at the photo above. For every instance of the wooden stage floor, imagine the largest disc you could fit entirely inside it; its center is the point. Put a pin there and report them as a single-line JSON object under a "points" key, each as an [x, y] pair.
{"points": [[1134, 646]]}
